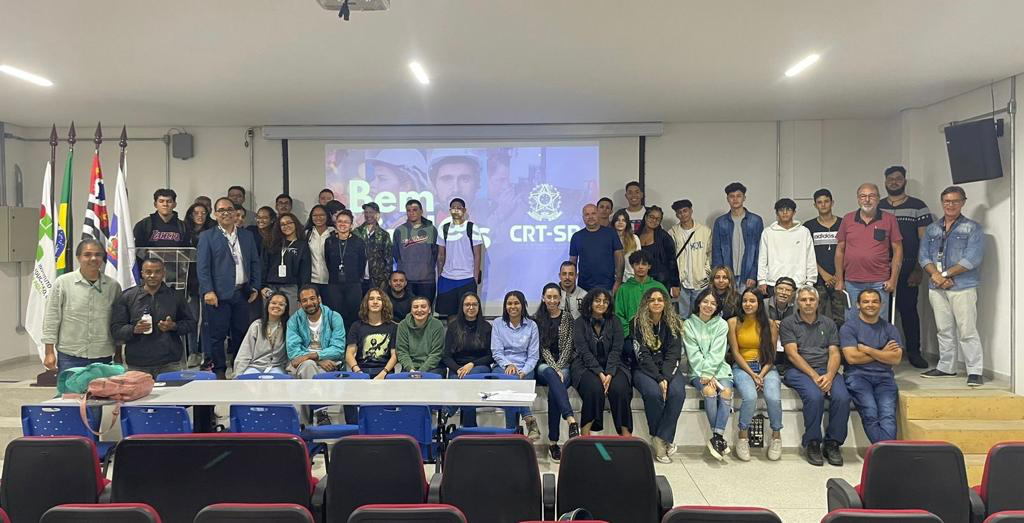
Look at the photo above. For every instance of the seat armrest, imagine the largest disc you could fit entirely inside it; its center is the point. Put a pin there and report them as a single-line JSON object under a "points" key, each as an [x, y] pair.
{"points": [[434, 489], [318, 501], [548, 492], [104, 496], [841, 494], [665, 502], [977, 507]]}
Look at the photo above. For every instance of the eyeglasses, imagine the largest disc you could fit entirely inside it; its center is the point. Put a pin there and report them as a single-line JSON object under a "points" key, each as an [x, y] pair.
{"points": [[471, 305], [224, 210], [867, 196], [952, 202]]}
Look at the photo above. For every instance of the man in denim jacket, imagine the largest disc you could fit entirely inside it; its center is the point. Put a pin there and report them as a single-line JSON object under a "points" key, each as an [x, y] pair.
{"points": [[736, 237], [951, 253]]}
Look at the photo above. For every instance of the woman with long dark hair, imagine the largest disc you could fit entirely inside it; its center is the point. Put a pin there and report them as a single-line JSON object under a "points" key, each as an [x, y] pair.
{"points": [[263, 347], [197, 220], [263, 229], [630, 241], [467, 347], [598, 372], [555, 327], [658, 374], [515, 347], [286, 263], [660, 247], [706, 338], [752, 338], [318, 229], [723, 284]]}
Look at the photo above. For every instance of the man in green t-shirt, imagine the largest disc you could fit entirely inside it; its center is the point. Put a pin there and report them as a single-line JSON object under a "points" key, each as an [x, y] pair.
{"points": [[628, 297]]}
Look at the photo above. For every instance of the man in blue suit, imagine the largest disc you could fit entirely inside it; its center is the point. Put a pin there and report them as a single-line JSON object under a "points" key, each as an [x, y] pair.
{"points": [[228, 268]]}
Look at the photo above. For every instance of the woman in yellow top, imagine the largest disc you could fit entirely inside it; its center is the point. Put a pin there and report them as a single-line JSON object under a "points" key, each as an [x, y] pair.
{"points": [[752, 339]]}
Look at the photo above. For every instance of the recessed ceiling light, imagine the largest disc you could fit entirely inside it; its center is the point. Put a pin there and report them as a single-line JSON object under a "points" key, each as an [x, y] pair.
{"points": [[419, 72], [25, 75], [802, 64]]}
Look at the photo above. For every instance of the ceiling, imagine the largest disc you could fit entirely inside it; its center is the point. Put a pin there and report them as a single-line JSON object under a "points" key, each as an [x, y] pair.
{"points": [[261, 62]]}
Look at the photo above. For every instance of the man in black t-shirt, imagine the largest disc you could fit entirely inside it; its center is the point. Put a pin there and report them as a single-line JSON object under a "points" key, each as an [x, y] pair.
{"points": [[832, 303], [913, 217]]}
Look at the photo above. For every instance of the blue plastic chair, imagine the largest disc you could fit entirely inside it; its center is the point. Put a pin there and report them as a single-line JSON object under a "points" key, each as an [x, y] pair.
{"points": [[154, 420], [335, 430], [264, 376], [274, 419], [186, 375], [411, 420], [483, 431], [63, 420]]}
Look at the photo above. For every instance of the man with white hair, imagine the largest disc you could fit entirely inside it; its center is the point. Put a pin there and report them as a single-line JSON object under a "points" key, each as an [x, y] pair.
{"points": [[869, 250]]}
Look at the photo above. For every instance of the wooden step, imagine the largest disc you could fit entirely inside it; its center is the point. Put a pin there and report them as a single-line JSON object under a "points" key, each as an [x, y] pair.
{"points": [[961, 404], [973, 436]]}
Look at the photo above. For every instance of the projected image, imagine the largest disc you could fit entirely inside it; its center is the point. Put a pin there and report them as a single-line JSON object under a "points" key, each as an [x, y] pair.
{"points": [[525, 201]]}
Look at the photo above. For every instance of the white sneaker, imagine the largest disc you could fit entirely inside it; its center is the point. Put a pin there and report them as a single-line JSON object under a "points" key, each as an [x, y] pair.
{"points": [[670, 448], [743, 449], [775, 449], [659, 450]]}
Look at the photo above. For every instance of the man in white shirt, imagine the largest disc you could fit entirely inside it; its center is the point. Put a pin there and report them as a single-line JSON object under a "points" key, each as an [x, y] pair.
{"points": [[786, 249], [459, 259], [693, 255]]}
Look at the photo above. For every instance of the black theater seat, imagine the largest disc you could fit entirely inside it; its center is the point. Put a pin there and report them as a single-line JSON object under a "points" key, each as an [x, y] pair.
{"points": [[1002, 483], [34, 466], [364, 470], [706, 514]]}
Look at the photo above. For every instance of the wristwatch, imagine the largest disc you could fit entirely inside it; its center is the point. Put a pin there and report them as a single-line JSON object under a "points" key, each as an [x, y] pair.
{"points": [[944, 274]]}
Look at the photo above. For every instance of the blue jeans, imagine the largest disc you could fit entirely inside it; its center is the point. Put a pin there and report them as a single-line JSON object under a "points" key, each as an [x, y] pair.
{"points": [[662, 414], [748, 393], [468, 414], [876, 397], [512, 414], [229, 318], [814, 406], [717, 408], [853, 291], [558, 398], [686, 297], [257, 370]]}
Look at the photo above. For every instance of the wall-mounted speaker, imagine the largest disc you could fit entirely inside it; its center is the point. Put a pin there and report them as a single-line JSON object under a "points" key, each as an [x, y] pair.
{"points": [[181, 146]]}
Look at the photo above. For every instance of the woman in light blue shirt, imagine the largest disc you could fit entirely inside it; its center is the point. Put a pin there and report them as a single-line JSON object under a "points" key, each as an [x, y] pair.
{"points": [[515, 346]]}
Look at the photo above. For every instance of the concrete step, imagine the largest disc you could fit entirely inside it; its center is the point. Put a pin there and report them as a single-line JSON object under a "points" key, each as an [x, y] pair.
{"points": [[961, 404], [10, 429], [13, 396], [973, 436], [975, 468]]}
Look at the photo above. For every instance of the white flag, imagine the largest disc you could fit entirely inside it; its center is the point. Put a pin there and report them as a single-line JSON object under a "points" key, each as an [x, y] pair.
{"points": [[44, 272], [121, 261]]}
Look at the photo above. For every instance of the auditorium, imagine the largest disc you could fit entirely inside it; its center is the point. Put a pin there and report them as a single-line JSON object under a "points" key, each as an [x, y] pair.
{"points": [[453, 261]]}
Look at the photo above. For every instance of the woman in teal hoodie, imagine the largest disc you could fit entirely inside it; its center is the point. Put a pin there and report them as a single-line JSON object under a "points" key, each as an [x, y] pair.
{"points": [[420, 339], [706, 337]]}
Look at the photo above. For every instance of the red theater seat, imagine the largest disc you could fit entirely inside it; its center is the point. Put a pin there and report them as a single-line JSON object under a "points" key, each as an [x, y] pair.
{"points": [[108, 512], [33, 466], [424, 513], [712, 514]]}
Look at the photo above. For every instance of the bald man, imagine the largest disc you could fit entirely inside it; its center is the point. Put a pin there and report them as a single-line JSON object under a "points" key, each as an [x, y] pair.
{"points": [[869, 251], [597, 253]]}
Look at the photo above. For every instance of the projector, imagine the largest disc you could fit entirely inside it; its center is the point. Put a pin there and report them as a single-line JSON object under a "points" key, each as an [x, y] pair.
{"points": [[356, 5]]}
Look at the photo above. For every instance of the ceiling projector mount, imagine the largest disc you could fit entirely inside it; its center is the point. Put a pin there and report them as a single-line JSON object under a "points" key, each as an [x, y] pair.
{"points": [[344, 7]]}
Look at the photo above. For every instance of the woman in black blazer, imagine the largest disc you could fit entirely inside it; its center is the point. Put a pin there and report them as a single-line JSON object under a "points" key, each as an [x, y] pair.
{"points": [[597, 369]]}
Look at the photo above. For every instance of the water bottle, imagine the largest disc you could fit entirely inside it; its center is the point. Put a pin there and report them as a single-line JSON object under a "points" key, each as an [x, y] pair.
{"points": [[147, 317]]}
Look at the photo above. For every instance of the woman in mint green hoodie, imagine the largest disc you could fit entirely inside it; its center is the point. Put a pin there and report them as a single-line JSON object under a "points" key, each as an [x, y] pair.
{"points": [[420, 339], [706, 337]]}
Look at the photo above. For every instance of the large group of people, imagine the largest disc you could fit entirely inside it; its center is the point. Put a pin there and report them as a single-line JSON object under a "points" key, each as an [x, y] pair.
{"points": [[734, 309]]}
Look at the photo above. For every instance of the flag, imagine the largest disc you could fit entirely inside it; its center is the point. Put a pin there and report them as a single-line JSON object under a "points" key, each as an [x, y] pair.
{"points": [[61, 249], [96, 224], [121, 259], [44, 271]]}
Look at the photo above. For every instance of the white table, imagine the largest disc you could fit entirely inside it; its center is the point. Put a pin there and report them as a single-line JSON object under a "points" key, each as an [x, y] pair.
{"points": [[468, 393]]}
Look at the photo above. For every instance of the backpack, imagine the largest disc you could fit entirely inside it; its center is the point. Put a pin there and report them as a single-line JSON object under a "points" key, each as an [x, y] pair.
{"points": [[469, 232]]}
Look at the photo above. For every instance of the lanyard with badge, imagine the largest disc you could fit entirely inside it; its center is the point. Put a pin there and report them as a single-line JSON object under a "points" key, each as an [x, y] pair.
{"points": [[942, 246], [232, 243], [282, 269], [342, 249]]}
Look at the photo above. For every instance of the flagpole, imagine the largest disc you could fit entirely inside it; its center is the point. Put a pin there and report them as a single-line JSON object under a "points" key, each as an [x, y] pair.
{"points": [[98, 137], [69, 262], [123, 144], [53, 163]]}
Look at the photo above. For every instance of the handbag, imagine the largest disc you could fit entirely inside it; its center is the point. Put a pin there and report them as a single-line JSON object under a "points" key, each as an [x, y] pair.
{"points": [[128, 386], [76, 380]]}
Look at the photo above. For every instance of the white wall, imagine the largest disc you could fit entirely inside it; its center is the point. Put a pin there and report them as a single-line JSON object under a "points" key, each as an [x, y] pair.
{"points": [[988, 203]]}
